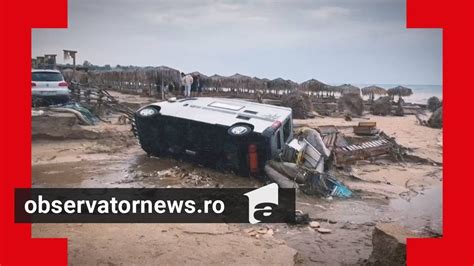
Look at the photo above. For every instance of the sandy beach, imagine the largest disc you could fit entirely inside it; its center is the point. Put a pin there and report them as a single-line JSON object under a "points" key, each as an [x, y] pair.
{"points": [[406, 192]]}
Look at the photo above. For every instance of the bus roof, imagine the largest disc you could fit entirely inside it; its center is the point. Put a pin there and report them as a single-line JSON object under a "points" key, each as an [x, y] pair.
{"points": [[226, 112]]}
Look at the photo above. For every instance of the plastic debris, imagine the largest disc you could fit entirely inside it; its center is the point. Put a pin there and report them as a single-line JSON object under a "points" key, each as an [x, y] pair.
{"points": [[314, 224], [324, 230]]}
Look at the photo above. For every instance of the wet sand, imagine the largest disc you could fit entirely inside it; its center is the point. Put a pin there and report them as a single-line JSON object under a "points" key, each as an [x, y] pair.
{"points": [[385, 191]]}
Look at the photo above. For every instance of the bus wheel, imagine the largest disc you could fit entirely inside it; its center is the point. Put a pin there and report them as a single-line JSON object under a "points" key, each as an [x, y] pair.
{"points": [[239, 130]]}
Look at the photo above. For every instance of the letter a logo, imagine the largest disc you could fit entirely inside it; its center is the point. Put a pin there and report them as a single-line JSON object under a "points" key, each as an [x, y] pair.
{"points": [[261, 202]]}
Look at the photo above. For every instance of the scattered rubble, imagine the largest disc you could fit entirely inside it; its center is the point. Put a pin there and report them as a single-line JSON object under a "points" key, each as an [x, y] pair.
{"points": [[366, 129], [281, 180], [258, 232], [362, 151], [301, 217], [186, 178], [302, 166]]}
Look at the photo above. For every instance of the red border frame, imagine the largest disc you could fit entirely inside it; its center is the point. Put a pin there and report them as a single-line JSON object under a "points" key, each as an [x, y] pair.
{"points": [[19, 17], [455, 247]]}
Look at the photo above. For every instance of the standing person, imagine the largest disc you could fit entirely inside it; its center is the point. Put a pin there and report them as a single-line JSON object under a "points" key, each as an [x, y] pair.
{"points": [[194, 86], [199, 86], [187, 81]]}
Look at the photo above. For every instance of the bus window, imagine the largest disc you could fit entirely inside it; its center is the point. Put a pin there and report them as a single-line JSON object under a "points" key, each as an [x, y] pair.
{"points": [[286, 130], [278, 137]]}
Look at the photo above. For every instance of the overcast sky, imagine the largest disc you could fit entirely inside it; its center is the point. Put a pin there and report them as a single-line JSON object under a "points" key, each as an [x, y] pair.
{"points": [[335, 41]]}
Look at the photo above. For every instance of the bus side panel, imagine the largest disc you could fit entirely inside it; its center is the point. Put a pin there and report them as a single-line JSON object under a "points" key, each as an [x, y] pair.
{"points": [[206, 144]]}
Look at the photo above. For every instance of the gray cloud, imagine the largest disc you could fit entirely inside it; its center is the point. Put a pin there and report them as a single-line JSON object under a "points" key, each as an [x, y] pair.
{"points": [[361, 41]]}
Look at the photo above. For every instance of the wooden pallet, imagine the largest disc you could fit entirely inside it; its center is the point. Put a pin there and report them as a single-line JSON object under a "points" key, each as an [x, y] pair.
{"points": [[362, 151]]}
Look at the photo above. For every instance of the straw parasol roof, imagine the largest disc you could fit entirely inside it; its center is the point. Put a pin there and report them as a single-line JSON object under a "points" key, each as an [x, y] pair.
{"points": [[371, 90], [347, 89], [281, 84], [167, 74], [216, 80], [140, 75], [239, 76], [262, 82], [262, 79], [241, 81], [197, 73], [400, 91], [238, 79], [314, 85], [216, 77]]}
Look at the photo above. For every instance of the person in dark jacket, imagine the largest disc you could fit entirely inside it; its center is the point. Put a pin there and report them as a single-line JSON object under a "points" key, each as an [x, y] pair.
{"points": [[195, 87]]}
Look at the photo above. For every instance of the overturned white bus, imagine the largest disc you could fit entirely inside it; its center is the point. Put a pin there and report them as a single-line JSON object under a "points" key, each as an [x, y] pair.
{"points": [[224, 133]]}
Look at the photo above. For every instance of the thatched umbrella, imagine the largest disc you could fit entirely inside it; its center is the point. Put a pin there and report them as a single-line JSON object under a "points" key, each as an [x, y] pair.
{"points": [[238, 76], [313, 85], [217, 81], [263, 81], [161, 76], [400, 91], [293, 84], [216, 77], [347, 89], [372, 90], [240, 79], [241, 82], [168, 74], [280, 84], [261, 85]]}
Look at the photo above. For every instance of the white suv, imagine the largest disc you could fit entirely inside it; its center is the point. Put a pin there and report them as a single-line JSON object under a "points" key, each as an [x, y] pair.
{"points": [[48, 87]]}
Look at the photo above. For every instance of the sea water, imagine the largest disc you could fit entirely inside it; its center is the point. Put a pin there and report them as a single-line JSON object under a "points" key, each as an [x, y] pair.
{"points": [[421, 93]]}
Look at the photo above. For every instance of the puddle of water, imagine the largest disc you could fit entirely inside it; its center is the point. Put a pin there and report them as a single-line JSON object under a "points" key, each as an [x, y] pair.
{"points": [[352, 210], [136, 170], [77, 174], [422, 211]]}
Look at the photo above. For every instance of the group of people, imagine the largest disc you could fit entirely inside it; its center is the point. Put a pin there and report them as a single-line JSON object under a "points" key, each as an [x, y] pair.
{"points": [[192, 85]]}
